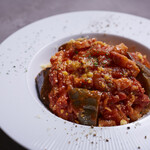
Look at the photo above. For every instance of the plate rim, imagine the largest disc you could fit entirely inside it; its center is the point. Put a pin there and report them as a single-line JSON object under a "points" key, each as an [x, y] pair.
{"points": [[72, 12], [13, 34]]}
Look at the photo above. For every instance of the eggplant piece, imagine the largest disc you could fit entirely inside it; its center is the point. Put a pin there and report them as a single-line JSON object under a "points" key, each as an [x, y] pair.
{"points": [[62, 47], [144, 75], [146, 80], [85, 105], [43, 86], [142, 67]]}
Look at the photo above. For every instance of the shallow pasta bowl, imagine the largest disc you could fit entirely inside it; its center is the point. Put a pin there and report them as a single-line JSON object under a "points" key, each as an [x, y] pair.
{"points": [[22, 114], [44, 55]]}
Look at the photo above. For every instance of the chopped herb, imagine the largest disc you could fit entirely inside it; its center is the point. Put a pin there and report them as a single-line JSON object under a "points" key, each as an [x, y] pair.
{"points": [[95, 63], [109, 84], [105, 89], [123, 73], [76, 52], [89, 56]]}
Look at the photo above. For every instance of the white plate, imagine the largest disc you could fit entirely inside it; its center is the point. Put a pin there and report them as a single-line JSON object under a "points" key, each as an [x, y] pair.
{"points": [[26, 120]]}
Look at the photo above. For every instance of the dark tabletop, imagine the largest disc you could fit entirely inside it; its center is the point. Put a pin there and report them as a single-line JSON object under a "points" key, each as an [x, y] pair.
{"points": [[15, 14]]}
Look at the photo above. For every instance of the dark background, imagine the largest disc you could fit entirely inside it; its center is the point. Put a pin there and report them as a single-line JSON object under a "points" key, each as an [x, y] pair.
{"points": [[15, 14]]}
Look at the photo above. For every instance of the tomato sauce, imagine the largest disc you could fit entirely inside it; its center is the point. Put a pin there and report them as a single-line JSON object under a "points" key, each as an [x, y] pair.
{"points": [[107, 70]]}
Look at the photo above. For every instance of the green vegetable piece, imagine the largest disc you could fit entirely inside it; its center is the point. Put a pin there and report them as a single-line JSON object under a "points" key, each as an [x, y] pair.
{"points": [[143, 76], [43, 86], [85, 105]]}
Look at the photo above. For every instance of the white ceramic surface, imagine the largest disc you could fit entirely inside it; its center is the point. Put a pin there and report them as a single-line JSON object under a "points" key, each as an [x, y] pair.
{"points": [[26, 120]]}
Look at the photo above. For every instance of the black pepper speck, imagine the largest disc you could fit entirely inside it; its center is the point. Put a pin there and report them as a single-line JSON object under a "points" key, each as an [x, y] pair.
{"points": [[64, 27], [128, 128], [107, 25]]}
